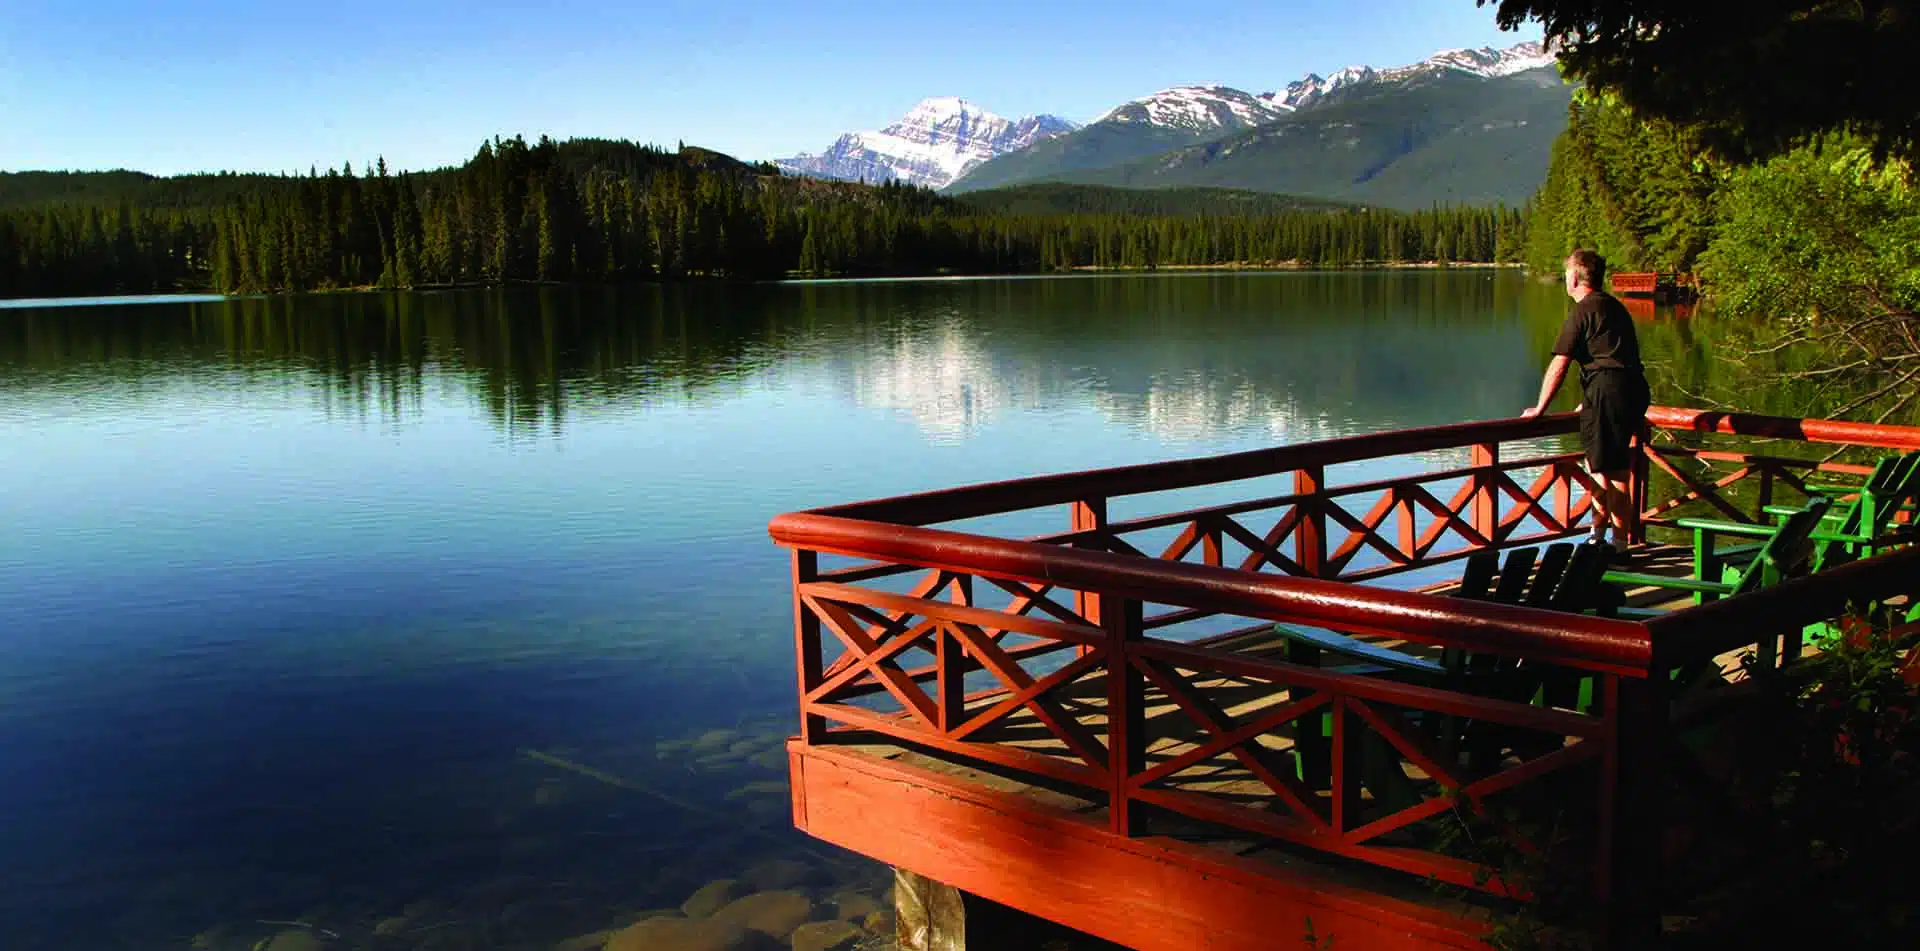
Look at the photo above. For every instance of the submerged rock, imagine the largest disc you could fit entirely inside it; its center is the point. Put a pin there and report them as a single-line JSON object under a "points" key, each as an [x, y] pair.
{"points": [[711, 897], [686, 934], [585, 942], [853, 906], [711, 741], [763, 787], [390, 926], [294, 941], [717, 761], [214, 939], [778, 874], [775, 914], [826, 936]]}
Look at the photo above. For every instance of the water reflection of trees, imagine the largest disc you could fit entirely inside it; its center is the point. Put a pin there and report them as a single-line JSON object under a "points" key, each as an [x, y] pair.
{"points": [[1191, 356], [1729, 363], [1184, 356], [530, 357]]}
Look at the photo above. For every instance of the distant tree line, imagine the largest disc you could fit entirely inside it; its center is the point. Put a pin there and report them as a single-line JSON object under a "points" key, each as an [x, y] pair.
{"points": [[1635, 189], [1767, 153], [1059, 198], [1814, 248], [602, 210]]}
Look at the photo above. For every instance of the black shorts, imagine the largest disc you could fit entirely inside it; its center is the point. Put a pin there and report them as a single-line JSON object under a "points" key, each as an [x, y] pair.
{"points": [[1613, 411]]}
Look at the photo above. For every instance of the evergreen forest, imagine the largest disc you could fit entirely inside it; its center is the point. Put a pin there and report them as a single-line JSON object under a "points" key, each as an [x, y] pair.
{"points": [[600, 210]]}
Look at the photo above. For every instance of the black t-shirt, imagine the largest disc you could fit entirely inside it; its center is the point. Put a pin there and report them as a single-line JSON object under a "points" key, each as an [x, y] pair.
{"points": [[1599, 335]]}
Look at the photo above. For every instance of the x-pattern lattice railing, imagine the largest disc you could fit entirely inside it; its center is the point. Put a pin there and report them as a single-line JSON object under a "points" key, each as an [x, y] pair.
{"points": [[1065, 657], [1765, 473], [1707, 476], [1404, 522], [997, 668], [1345, 816], [876, 628]]}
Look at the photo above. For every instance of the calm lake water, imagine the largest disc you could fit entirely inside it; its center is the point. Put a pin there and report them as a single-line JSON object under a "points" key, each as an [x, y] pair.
{"points": [[293, 590]]}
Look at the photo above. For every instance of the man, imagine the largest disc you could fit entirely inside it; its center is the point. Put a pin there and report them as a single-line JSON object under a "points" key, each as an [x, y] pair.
{"points": [[1599, 335]]}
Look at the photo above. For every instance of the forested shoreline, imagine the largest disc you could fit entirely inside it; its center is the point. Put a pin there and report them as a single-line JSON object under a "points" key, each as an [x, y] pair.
{"points": [[1811, 251], [595, 210]]}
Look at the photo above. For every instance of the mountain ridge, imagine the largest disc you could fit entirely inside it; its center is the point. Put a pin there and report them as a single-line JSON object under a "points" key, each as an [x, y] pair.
{"points": [[1183, 117], [1440, 138], [1489, 117], [940, 139], [947, 140]]}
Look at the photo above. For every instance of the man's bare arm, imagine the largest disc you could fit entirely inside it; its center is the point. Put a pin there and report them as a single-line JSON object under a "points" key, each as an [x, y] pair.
{"points": [[1549, 385]]}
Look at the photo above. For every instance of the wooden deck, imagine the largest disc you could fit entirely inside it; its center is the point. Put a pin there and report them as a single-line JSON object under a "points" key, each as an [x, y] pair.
{"points": [[1052, 856], [1044, 847], [1656, 285], [1057, 724]]}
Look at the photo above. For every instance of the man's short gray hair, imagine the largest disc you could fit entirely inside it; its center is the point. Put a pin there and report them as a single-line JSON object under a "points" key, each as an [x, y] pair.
{"points": [[1588, 268]]}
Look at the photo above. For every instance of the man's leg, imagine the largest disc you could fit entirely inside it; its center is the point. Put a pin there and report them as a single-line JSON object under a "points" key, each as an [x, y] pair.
{"points": [[1613, 504], [1610, 421]]}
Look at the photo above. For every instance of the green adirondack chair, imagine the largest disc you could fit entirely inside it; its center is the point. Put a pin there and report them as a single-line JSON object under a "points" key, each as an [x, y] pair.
{"points": [[1568, 578], [1784, 555], [1851, 530], [1786, 549]]}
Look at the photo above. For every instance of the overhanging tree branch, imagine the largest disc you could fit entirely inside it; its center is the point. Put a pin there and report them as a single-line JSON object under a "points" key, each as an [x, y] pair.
{"points": [[1753, 78]]}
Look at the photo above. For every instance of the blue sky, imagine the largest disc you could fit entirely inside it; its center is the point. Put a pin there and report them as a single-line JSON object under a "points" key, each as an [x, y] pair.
{"points": [[212, 84]]}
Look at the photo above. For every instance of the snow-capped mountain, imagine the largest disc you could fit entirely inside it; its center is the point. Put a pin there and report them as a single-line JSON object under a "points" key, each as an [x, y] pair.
{"points": [[935, 143], [950, 144], [1486, 63], [1216, 108], [1198, 109], [1312, 88]]}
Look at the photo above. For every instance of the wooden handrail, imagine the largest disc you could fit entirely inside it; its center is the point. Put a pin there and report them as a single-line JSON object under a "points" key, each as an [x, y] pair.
{"points": [[1589, 643], [1111, 585], [1879, 435], [994, 498], [891, 531], [1725, 624]]}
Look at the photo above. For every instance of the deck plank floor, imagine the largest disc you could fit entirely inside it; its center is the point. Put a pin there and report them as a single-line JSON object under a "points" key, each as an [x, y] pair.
{"points": [[1170, 733]]}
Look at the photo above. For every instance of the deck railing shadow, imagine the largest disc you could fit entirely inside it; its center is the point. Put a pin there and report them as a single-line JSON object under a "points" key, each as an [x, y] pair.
{"points": [[1130, 667]]}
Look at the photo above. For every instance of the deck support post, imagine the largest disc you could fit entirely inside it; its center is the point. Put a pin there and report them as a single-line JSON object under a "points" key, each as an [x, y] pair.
{"points": [[1310, 537], [931, 916], [1634, 828], [806, 645], [1124, 621], [1639, 473], [1486, 491], [1088, 515]]}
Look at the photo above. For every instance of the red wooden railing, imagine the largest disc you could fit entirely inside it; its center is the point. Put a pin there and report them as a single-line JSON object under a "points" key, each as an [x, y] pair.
{"points": [[1635, 282], [1707, 486], [1095, 658], [1649, 283]]}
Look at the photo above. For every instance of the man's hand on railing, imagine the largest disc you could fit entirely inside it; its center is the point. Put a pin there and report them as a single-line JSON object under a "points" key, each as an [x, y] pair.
{"points": [[1533, 411]]}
